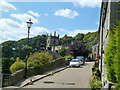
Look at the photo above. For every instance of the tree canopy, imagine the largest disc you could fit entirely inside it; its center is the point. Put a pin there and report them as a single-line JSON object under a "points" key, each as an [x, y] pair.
{"points": [[77, 48]]}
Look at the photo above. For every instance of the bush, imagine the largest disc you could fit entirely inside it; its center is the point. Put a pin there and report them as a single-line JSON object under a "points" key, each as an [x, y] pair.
{"points": [[97, 84], [68, 57], [17, 65], [112, 55], [39, 59], [117, 86]]}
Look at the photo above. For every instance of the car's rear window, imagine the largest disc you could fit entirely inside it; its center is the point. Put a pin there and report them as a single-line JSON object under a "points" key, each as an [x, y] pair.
{"points": [[80, 57], [75, 61]]}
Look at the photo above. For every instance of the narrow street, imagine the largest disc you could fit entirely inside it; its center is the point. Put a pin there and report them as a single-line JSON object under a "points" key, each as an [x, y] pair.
{"points": [[68, 78]]}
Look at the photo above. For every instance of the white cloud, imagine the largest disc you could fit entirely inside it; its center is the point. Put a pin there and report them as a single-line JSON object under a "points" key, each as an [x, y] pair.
{"points": [[6, 7], [34, 13], [46, 14], [66, 13], [97, 23], [12, 30], [73, 32], [24, 17], [88, 3]]}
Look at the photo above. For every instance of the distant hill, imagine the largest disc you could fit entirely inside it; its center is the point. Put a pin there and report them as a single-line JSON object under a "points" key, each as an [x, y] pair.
{"points": [[13, 48], [90, 39]]}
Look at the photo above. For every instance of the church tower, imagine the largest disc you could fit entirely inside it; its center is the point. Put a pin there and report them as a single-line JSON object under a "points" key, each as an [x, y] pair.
{"points": [[52, 41]]}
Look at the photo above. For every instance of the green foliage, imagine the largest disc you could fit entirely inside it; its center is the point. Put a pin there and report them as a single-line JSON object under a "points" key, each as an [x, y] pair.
{"points": [[117, 54], [17, 65], [79, 36], [66, 40], [68, 57], [112, 55], [62, 52], [7, 49], [91, 39], [109, 53], [97, 84], [117, 86], [39, 59], [27, 49], [6, 63], [14, 48]]}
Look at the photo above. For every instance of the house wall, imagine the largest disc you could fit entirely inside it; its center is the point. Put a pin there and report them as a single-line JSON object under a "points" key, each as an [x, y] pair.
{"points": [[95, 51], [109, 16]]}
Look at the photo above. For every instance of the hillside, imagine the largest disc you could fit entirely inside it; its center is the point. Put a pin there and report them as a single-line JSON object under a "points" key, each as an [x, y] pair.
{"points": [[89, 39], [14, 48]]}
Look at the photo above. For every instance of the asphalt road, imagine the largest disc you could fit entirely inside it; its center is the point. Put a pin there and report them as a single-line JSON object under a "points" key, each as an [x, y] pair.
{"points": [[68, 78]]}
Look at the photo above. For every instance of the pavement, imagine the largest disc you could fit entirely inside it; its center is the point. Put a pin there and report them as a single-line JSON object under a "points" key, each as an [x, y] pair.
{"points": [[35, 78]]}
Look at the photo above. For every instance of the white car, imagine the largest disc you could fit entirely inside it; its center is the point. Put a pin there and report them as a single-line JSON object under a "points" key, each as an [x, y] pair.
{"points": [[75, 62], [81, 58]]}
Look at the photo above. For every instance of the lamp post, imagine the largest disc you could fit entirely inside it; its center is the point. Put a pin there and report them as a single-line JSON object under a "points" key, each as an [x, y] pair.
{"points": [[29, 24]]}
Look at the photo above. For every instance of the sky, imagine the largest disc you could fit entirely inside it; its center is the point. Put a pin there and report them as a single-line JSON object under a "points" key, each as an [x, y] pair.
{"points": [[68, 18]]}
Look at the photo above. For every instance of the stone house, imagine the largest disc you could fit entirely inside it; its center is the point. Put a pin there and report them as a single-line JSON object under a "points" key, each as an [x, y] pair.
{"points": [[95, 51]]}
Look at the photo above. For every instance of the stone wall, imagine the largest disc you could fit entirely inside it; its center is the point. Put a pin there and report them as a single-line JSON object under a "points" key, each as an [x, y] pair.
{"points": [[19, 75]]}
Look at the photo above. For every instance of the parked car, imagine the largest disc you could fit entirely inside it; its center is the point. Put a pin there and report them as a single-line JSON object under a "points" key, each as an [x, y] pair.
{"points": [[81, 58], [75, 62]]}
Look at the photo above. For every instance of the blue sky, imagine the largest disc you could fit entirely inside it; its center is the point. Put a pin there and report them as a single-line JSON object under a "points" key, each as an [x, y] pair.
{"points": [[68, 18]]}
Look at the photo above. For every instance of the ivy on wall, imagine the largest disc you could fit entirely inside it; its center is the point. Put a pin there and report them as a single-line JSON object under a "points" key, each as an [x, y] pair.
{"points": [[112, 55]]}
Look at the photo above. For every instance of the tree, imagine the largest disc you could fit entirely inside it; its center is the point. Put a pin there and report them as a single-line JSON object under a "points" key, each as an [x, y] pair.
{"points": [[79, 36], [25, 51], [66, 40], [7, 49], [77, 48], [62, 52], [6, 63], [90, 39]]}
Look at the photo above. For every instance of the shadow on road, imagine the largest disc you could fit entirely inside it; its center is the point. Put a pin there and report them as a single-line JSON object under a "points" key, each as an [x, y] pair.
{"points": [[51, 82], [85, 64]]}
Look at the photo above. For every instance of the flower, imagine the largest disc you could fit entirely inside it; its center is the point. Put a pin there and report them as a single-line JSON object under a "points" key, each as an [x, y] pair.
{"points": [[98, 56]]}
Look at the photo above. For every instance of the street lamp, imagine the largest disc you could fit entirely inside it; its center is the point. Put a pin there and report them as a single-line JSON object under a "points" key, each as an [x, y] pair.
{"points": [[29, 24]]}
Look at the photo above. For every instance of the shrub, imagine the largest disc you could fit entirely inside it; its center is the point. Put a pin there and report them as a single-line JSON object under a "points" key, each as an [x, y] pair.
{"points": [[117, 54], [112, 55], [39, 59], [96, 84], [17, 65], [68, 57], [109, 56], [117, 86]]}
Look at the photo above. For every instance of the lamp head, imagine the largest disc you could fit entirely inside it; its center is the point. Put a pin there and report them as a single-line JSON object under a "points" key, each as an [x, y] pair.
{"points": [[29, 23]]}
